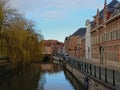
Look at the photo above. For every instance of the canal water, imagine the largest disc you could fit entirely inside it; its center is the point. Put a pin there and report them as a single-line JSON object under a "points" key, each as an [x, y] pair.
{"points": [[45, 76]]}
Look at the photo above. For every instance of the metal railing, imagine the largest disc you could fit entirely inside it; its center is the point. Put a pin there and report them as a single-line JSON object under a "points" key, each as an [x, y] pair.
{"points": [[102, 74]]}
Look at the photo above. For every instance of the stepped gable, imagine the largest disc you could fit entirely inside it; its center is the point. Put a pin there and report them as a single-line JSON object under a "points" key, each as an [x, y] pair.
{"points": [[111, 8]]}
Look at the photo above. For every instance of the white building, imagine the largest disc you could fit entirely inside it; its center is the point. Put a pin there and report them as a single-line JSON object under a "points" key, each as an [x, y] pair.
{"points": [[88, 40]]}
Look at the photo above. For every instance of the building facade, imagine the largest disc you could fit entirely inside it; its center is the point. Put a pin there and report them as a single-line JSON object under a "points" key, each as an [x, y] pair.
{"points": [[54, 46], [88, 40], [105, 34], [73, 43], [82, 50]]}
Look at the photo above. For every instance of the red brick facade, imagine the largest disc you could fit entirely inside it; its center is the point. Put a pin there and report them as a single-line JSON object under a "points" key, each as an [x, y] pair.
{"points": [[75, 44], [55, 46], [71, 45], [105, 35]]}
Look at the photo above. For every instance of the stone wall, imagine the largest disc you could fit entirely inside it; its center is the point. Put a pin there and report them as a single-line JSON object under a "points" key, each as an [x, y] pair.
{"points": [[93, 84]]}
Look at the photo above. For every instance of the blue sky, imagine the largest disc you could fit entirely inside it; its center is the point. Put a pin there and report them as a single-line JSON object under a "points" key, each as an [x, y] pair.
{"points": [[57, 19]]}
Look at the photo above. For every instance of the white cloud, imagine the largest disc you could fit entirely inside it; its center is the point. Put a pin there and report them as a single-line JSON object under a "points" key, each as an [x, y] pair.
{"points": [[72, 4], [58, 4], [53, 15], [53, 9]]}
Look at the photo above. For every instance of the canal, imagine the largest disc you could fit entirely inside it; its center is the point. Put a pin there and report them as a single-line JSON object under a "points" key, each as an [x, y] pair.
{"points": [[45, 76]]}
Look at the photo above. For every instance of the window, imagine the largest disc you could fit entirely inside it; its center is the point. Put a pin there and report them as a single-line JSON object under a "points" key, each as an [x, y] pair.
{"points": [[110, 35], [102, 38], [107, 36], [113, 35], [117, 34]]}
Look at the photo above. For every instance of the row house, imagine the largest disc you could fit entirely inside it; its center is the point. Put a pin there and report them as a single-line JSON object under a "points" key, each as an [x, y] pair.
{"points": [[73, 43], [53, 45], [105, 34]]}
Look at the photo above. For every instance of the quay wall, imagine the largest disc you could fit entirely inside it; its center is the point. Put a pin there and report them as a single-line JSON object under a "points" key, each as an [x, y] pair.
{"points": [[92, 84]]}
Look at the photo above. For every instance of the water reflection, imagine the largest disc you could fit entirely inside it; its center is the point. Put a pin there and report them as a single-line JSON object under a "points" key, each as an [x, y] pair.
{"points": [[51, 67], [46, 76], [77, 85], [53, 78], [24, 80]]}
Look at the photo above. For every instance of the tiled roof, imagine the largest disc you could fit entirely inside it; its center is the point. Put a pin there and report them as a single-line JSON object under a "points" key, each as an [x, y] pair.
{"points": [[80, 32], [112, 3], [113, 7], [49, 42], [110, 7], [111, 10], [117, 10]]}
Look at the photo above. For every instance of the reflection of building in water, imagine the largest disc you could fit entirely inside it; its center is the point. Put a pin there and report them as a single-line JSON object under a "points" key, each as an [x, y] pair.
{"points": [[48, 67], [51, 67]]}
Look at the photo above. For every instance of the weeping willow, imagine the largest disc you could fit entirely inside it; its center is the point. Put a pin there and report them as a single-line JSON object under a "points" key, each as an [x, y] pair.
{"points": [[18, 39]]}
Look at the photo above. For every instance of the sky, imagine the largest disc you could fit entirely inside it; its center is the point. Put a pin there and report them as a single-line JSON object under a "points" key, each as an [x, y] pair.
{"points": [[56, 19]]}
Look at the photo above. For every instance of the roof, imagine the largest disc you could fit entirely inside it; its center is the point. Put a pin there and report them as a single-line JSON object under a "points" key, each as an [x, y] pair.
{"points": [[111, 7], [112, 3], [101, 13], [67, 38], [92, 23], [80, 32], [49, 42], [117, 10]]}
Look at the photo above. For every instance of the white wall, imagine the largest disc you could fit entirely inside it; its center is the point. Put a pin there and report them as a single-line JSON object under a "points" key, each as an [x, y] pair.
{"points": [[88, 40]]}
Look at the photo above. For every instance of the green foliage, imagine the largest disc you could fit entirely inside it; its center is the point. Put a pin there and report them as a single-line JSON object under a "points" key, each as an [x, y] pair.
{"points": [[18, 39]]}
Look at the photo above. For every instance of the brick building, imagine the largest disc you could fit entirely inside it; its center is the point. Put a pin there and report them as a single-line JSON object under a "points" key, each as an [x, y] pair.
{"points": [[73, 43], [82, 50], [105, 34], [54, 46]]}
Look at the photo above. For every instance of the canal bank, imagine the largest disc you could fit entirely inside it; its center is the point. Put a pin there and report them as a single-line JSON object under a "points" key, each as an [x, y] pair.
{"points": [[91, 83], [91, 76]]}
